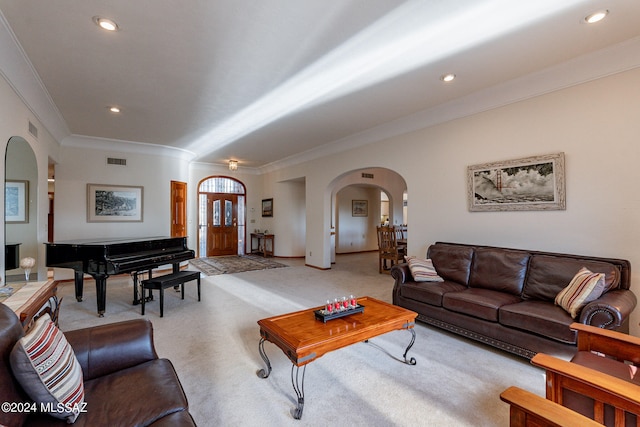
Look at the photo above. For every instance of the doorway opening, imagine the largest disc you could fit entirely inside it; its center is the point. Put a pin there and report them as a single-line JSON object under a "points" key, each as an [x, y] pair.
{"points": [[221, 216]]}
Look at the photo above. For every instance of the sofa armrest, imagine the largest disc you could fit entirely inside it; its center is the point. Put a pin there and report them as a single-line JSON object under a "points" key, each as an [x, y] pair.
{"points": [[105, 349], [401, 273], [610, 311]]}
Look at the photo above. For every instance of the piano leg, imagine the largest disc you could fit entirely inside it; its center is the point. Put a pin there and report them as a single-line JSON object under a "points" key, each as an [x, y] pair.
{"points": [[101, 293], [79, 282]]}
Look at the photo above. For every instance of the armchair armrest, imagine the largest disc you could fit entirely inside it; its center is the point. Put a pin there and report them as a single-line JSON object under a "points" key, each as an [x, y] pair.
{"points": [[611, 310], [528, 409], [602, 388], [614, 344], [105, 349]]}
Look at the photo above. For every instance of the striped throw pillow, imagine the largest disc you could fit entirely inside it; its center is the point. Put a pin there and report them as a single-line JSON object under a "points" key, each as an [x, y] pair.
{"points": [[423, 270], [46, 367], [585, 287]]}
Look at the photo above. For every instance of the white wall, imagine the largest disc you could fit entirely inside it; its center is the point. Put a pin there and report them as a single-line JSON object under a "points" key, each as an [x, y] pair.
{"points": [[14, 121], [79, 167], [288, 224], [595, 124], [354, 233]]}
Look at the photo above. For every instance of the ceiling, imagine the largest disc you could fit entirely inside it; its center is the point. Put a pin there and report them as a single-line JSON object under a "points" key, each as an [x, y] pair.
{"points": [[264, 81]]}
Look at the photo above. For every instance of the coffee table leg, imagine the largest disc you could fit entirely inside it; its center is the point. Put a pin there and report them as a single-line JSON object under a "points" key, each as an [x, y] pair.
{"points": [[298, 387], [262, 373], [411, 361]]}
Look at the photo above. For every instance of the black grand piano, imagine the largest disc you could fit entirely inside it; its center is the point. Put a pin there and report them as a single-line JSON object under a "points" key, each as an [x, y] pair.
{"points": [[102, 258]]}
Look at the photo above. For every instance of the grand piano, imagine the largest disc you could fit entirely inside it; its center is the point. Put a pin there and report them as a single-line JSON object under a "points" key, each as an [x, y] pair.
{"points": [[102, 258]]}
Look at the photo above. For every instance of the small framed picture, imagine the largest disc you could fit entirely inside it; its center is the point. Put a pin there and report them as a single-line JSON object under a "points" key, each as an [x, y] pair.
{"points": [[267, 207], [16, 201], [359, 208]]}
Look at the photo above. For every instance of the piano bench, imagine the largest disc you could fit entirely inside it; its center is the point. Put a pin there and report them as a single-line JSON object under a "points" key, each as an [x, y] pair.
{"points": [[168, 281]]}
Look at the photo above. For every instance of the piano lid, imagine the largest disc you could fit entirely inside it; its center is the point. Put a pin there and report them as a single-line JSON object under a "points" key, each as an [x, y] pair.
{"points": [[110, 241]]}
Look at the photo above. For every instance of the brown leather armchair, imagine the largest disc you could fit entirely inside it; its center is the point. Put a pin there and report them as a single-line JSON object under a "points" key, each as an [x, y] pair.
{"points": [[125, 382], [601, 381]]}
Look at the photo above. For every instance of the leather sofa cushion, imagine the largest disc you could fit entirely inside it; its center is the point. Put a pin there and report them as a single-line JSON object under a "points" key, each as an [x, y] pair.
{"points": [[452, 262], [608, 366], [548, 275], [500, 270], [141, 395], [429, 292], [541, 318], [476, 302]]}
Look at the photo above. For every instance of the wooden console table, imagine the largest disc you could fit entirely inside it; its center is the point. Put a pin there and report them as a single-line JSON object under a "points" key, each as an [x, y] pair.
{"points": [[31, 298], [263, 248]]}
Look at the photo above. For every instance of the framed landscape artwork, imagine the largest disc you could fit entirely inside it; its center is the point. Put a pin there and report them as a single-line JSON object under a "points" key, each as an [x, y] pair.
{"points": [[114, 203], [16, 202], [359, 208], [532, 183], [267, 207]]}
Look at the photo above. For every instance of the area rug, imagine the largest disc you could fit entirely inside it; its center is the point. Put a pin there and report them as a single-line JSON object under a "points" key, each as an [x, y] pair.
{"points": [[233, 264]]}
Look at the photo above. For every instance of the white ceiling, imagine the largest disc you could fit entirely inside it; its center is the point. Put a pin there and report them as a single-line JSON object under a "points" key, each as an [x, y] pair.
{"points": [[263, 81]]}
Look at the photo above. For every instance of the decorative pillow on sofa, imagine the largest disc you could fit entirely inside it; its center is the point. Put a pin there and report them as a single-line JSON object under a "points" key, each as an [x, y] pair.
{"points": [[46, 367], [585, 287], [423, 270]]}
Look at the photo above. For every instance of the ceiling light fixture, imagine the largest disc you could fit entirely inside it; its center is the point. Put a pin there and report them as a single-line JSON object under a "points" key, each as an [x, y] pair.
{"points": [[594, 17], [447, 77], [105, 24], [114, 109], [233, 165]]}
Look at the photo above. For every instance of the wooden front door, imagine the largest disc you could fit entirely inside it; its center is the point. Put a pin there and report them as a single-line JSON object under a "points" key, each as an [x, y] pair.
{"points": [[178, 209], [222, 224]]}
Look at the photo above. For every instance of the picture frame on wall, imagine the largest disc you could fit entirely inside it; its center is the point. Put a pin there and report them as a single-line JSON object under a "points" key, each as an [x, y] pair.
{"points": [[114, 203], [360, 208], [16, 201], [526, 184], [267, 207]]}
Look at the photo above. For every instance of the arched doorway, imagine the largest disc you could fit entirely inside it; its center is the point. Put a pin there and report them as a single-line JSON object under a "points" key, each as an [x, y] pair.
{"points": [[221, 216], [383, 192]]}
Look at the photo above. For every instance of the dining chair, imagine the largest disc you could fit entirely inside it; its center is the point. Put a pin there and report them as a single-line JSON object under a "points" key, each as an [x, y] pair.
{"points": [[388, 248]]}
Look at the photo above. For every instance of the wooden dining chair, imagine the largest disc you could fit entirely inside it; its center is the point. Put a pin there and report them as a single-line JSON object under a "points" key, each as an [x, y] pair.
{"points": [[388, 248]]}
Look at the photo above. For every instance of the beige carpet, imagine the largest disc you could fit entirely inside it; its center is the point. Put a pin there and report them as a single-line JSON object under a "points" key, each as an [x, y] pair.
{"points": [[214, 347]]}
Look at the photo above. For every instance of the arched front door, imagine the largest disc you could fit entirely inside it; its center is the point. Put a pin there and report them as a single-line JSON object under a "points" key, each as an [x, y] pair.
{"points": [[221, 222]]}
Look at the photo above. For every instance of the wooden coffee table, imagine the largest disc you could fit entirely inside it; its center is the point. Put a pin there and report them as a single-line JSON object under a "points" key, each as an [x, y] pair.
{"points": [[304, 339]]}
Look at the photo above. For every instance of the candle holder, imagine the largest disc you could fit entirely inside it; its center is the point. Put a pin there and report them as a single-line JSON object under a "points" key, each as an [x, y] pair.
{"points": [[338, 308]]}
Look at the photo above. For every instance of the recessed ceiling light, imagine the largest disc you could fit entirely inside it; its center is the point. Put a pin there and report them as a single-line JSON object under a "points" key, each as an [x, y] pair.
{"points": [[447, 77], [105, 24], [114, 109], [594, 17]]}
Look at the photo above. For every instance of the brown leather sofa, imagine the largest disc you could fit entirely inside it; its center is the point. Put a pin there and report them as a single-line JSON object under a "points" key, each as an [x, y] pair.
{"points": [[125, 382], [505, 297]]}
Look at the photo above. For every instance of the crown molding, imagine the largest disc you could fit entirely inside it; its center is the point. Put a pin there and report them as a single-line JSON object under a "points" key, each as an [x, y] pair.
{"points": [[18, 71], [107, 144]]}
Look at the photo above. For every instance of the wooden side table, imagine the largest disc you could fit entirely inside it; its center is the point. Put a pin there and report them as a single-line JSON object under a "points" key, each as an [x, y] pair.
{"points": [[32, 298], [265, 244]]}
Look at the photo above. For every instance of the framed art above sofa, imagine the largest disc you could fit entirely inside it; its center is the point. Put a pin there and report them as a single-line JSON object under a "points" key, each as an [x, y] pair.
{"points": [[527, 184]]}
